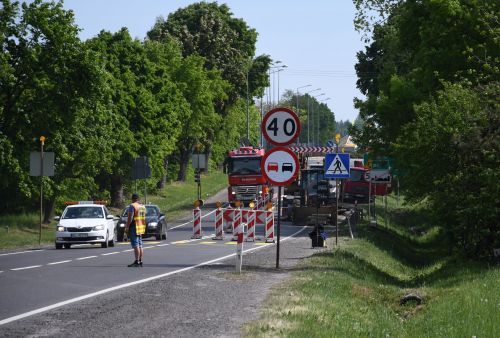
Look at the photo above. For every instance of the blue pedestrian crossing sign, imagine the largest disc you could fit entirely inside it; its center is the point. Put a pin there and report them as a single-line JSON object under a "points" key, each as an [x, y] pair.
{"points": [[337, 165]]}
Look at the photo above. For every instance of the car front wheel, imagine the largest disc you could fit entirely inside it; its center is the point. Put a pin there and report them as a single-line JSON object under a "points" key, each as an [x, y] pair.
{"points": [[105, 243], [111, 243]]}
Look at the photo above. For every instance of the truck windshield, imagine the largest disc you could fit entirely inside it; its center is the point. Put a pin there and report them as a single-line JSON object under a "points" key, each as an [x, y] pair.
{"points": [[357, 175], [244, 166]]}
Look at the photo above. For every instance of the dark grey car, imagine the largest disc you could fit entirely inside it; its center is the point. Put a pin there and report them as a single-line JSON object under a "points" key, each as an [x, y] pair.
{"points": [[156, 224]]}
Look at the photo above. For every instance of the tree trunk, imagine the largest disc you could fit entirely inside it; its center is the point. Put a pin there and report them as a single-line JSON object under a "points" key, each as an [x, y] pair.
{"points": [[116, 191], [163, 181], [183, 163], [48, 211]]}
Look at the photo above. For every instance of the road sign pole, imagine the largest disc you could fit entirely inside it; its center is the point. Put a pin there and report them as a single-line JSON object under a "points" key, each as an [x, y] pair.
{"points": [[279, 230], [337, 139], [42, 141], [337, 212], [369, 200]]}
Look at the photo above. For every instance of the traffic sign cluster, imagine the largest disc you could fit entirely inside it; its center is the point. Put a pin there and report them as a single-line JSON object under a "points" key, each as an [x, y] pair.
{"points": [[280, 165]]}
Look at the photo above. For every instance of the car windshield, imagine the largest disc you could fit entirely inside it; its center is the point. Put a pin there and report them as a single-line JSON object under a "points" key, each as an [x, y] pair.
{"points": [[83, 212], [151, 211], [244, 166]]}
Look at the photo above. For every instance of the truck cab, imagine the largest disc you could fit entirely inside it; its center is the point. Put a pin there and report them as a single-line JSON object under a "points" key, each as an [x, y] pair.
{"points": [[245, 178]]}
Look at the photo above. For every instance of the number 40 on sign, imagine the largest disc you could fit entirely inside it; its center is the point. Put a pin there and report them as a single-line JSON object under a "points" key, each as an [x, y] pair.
{"points": [[280, 126]]}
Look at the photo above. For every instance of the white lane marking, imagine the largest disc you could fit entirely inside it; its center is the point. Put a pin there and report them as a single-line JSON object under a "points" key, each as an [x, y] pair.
{"points": [[20, 252], [1, 271], [26, 267], [82, 258], [121, 286], [163, 244], [110, 253], [128, 250], [60, 262]]}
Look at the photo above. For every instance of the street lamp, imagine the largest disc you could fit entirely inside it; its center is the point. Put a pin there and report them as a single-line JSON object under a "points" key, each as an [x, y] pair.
{"points": [[319, 116], [248, 117], [308, 120], [279, 70], [297, 106], [312, 113], [275, 68]]}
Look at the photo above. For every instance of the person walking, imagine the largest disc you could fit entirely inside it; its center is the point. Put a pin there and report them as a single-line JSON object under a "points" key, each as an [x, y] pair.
{"points": [[136, 227]]}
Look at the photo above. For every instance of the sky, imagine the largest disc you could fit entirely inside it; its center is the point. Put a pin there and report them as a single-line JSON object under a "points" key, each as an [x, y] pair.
{"points": [[316, 39]]}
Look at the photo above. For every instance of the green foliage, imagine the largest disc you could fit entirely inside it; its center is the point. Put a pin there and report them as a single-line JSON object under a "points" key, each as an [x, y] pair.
{"points": [[454, 140], [50, 88], [430, 76], [103, 102], [210, 30]]}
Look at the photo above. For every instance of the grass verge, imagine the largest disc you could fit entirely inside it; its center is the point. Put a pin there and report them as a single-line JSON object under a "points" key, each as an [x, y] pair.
{"points": [[355, 290], [176, 199]]}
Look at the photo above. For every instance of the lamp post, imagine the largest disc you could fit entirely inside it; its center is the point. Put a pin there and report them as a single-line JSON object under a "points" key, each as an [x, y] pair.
{"points": [[248, 118], [280, 70], [275, 67], [319, 116], [312, 112], [308, 120], [297, 106]]}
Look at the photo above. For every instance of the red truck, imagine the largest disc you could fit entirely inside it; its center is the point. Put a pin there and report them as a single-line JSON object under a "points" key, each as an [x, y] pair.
{"points": [[357, 186], [246, 181]]}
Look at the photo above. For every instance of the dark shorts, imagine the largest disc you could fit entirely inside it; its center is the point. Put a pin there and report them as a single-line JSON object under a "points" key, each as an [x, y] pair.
{"points": [[135, 240]]}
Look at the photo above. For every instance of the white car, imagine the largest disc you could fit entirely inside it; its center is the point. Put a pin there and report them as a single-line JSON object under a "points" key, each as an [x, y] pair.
{"points": [[85, 222]]}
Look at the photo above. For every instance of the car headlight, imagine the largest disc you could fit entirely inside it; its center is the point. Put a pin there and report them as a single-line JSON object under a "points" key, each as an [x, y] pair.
{"points": [[122, 225], [98, 227], [153, 224], [60, 228]]}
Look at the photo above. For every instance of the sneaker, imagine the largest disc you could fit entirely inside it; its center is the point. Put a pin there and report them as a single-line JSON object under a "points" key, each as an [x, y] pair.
{"points": [[135, 264], [140, 264]]}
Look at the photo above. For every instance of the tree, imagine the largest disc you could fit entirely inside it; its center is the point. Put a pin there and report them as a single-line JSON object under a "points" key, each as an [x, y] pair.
{"points": [[49, 87], [200, 88], [430, 76], [211, 31], [145, 103], [450, 153]]}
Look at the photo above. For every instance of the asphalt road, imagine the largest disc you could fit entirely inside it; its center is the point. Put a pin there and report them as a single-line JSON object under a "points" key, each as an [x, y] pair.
{"points": [[48, 282]]}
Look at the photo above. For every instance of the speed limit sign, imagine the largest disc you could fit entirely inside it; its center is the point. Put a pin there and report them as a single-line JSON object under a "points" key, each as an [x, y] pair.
{"points": [[280, 126]]}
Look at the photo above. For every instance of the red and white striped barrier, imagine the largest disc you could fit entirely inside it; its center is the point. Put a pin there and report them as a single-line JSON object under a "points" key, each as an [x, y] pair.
{"points": [[260, 217], [197, 234], [228, 218], [244, 215], [251, 226], [219, 232], [269, 226], [237, 223]]}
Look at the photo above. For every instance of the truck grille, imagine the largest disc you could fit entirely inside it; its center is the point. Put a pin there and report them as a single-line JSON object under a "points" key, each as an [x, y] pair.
{"points": [[246, 192]]}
